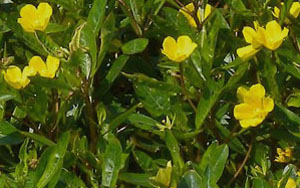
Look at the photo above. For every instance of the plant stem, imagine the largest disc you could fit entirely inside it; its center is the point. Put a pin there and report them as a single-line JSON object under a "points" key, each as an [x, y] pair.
{"points": [[243, 163], [90, 116], [184, 89]]}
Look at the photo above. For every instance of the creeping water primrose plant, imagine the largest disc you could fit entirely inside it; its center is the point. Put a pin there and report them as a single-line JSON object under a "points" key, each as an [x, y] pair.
{"points": [[149, 94]]}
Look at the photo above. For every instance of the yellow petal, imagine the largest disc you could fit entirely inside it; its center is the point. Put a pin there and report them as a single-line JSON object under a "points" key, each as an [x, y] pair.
{"points": [[260, 38], [37, 64], [242, 92], [245, 123], [291, 183], [44, 12], [28, 14], [246, 52], [12, 76], [257, 90], [268, 104], [189, 8], [13, 73], [276, 12], [185, 45], [255, 96], [243, 111], [249, 33], [26, 24], [52, 65], [28, 71], [284, 33], [28, 11], [295, 9], [169, 47], [256, 25], [207, 11]]}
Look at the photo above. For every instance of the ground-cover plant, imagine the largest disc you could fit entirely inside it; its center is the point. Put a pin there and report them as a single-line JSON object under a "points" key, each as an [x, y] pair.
{"points": [[149, 93]]}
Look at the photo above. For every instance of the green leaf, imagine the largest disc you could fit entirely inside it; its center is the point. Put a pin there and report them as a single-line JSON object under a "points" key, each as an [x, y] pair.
{"points": [[113, 73], [206, 102], [288, 119], [9, 134], [144, 122], [191, 179], [96, 15], [55, 161], [70, 5], [107, 32], [144, 161], [155, 101], [71, 180], [294, 100], [174, 149], [136, 179], [261, 183], [39, 138], [112, 162], [122, 117], [213, 162], [135, 46], [153, 83]]}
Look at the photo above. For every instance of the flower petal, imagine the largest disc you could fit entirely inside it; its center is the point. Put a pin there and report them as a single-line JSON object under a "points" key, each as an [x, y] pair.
{"points": [[37, 64], [52, 65], [295, 9], [249, 33], [276, 12], [245, 123], [273, 28], [243, 111], [268, 104], [257, 90], [189, 8], [13, 76], [185, 45], [28, 11], [207, 11], [44, 12], [242, 92], [169, 47], [246, 52]]}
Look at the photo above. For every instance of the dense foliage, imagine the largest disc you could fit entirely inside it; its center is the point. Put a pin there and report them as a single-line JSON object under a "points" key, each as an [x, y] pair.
{"points": [[149, 93]]}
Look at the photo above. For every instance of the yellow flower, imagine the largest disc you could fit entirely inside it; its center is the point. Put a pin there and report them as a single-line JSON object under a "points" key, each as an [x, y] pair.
{"points": [[291, 183], [294, 11], [283, 156], [272, 36], [47, 69], [255, 106], [33, 18], [180, 50], [16, 78], [201, 14], [252, 38]]}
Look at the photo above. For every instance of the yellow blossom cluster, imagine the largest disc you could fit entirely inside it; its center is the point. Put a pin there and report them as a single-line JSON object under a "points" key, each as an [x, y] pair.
{"points": [[20, 79], [283, 155], [271, 37], [33, 19]]}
